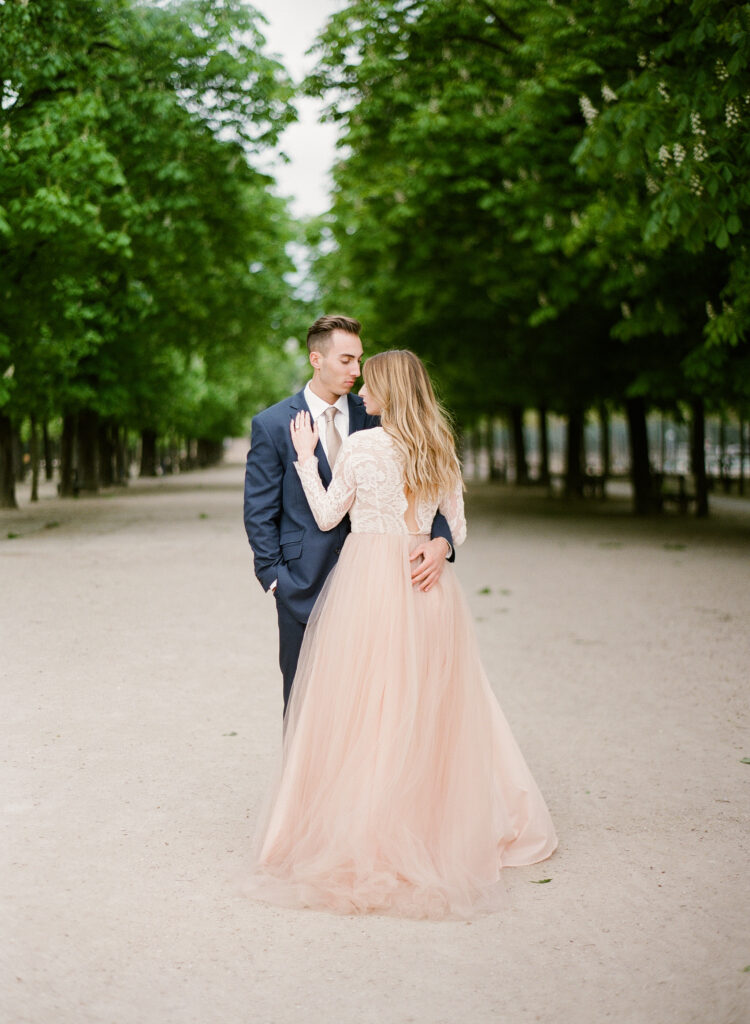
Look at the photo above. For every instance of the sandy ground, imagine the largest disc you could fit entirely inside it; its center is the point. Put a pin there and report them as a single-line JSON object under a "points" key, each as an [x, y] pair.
{"points": [[141, 717]]}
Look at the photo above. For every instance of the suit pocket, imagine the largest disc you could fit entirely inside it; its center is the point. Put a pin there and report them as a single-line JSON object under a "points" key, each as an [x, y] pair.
{"points": [[291, 545]]}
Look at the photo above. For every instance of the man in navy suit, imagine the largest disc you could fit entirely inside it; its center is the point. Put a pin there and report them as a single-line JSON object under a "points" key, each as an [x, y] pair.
{"points": [[292, 555]]}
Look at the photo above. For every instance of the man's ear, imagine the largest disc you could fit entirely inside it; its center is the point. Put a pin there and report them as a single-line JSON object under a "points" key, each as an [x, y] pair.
{"points": [[315, 360]]}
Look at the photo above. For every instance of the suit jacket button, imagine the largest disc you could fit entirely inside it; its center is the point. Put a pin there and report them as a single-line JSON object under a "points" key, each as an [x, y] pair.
{"points": [[337, 551]]}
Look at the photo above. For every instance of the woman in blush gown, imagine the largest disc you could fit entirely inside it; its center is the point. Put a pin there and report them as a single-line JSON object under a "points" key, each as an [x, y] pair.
{"points": [[402, 790]]}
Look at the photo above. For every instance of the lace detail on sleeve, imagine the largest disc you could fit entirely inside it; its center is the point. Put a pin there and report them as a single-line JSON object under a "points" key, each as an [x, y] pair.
{"points": [[328, 506], [452, 507]]}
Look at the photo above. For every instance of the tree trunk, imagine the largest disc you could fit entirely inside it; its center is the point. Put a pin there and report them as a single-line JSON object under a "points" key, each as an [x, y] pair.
{"points": [[67, 486], [121, 456], [495, 471], [489, 445], [34, 450], [106, 448], [726, 480], [544, 476], [519, 444], [574, 455], [18, 461], [68, 471], [88, 454], [605, 442], [698, 457], [47, 451], [148, 453], [743, 450], [476, 451], [174, 456], [640, 468], [7, 472], [210, 452]]}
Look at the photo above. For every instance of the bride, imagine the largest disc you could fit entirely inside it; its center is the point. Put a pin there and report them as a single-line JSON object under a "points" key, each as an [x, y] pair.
{"points": [[402, 790]]}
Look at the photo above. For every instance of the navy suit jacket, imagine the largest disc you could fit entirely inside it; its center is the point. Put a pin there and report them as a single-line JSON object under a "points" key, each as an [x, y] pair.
{"points": [[287, 544]]}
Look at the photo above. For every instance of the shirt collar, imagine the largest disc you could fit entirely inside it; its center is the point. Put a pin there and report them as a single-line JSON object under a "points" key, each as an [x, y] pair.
{"points": [[317, 406]]}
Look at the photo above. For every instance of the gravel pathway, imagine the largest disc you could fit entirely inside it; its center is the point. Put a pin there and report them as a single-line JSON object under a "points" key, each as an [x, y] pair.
{"points": [[140, 713]]}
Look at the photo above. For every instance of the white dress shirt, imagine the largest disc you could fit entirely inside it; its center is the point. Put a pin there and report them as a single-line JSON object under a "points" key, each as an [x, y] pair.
{"points": [[318, 406]]}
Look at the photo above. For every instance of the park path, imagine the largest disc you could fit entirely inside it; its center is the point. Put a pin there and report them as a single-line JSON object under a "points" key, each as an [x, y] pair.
{"points": [[141, 718]]}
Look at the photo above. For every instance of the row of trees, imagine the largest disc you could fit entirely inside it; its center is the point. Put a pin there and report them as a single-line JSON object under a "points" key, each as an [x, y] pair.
{"points": [[143, 256], [550, 203]]}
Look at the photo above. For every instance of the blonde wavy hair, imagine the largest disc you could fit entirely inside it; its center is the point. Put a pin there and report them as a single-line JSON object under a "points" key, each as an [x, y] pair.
{"points": [[413, 417]]}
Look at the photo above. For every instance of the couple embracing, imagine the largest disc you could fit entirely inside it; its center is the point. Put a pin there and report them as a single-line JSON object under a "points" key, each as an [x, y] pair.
{"points": [[402, 790]]}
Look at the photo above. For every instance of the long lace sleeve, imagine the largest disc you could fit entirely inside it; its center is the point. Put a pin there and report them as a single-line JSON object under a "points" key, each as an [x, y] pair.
{"points": [[452, 507], [328, 506]]}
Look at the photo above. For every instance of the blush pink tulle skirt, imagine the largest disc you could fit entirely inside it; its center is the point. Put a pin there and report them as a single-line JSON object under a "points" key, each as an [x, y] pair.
{"points": [[402, 790]]}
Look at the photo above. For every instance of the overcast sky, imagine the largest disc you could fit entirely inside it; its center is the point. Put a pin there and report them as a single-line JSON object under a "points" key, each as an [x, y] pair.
{"points": [[292, 28]]}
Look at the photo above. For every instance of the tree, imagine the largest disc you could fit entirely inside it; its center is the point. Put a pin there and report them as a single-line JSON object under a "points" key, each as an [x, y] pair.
{"points": [[138, 239], [667, 159], [463, 227], [454, 201]]}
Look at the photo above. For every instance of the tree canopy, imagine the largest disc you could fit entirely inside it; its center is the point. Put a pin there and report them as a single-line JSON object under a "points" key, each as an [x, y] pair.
{"points": [[143, 257], [547, 201]]}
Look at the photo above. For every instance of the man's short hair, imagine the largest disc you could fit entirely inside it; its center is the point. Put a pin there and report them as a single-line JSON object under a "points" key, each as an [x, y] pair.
{"points": [[319, 335]]}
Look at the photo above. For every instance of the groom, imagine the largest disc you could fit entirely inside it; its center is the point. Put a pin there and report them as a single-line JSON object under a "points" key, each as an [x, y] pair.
{"points": [[292, 556]]}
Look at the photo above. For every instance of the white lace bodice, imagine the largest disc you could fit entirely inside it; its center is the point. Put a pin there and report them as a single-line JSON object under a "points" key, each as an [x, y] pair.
{"points": [[368, 483]]}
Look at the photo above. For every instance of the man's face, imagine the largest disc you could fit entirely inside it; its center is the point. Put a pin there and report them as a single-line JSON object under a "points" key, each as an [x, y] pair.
{"points": [[338, 370]]}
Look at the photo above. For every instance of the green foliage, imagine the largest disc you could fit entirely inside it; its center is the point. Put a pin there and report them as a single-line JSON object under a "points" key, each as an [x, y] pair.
{"points": [[454, 202], [671, 144], [142, 256], [503, 204]]}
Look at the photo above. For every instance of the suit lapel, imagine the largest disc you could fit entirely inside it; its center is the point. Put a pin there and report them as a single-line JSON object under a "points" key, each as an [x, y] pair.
{"points": [[298, 404]]}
